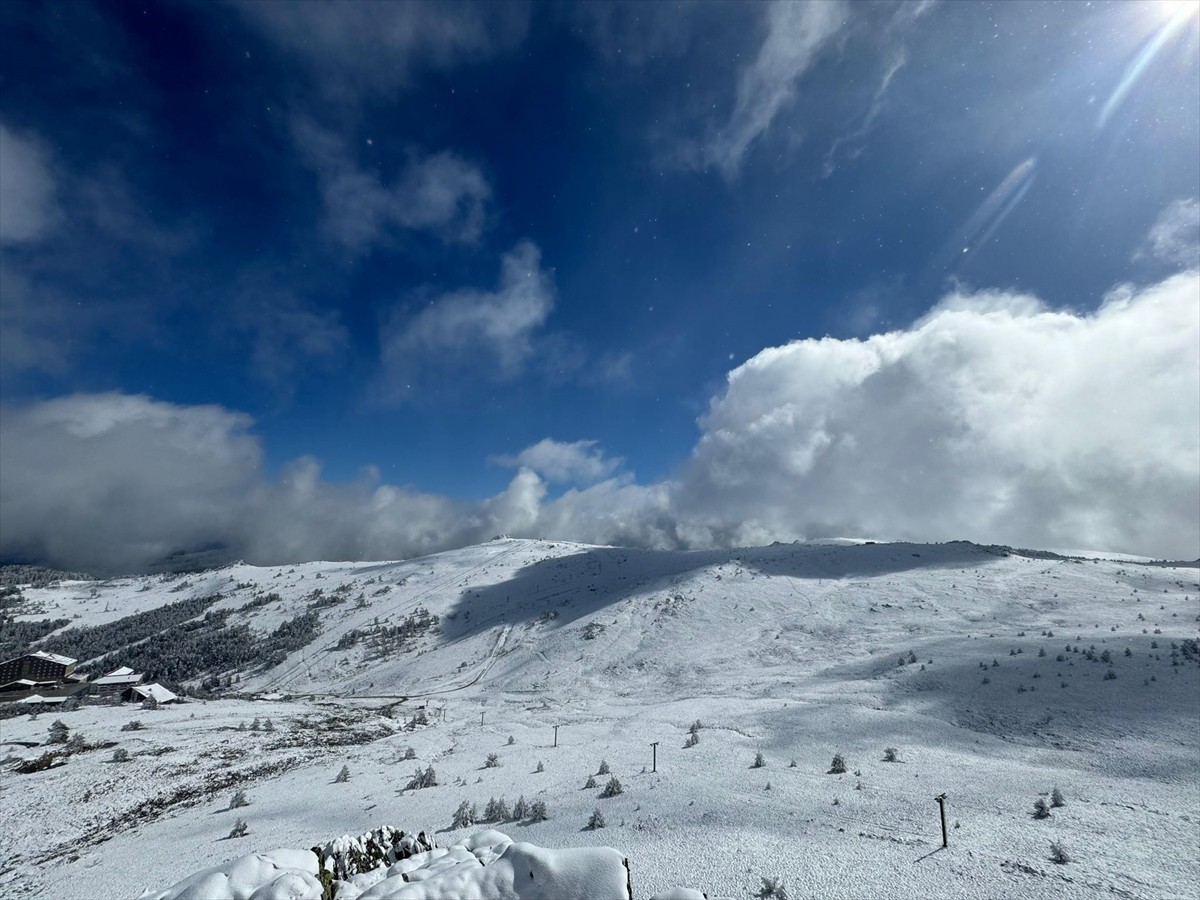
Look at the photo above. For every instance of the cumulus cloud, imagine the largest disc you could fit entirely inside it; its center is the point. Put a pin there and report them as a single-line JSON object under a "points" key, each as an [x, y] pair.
{"points": [[580, 462], [993, 419], [493, 331], [440, 193], [796, 35], [371, 47], [27, 189], [1175, 237]]}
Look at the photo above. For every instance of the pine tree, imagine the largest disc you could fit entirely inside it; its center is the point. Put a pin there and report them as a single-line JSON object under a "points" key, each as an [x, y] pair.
{"points": [[520, 810], [58, 732], [759, 760], [596, 820], [120, 755], [537, 811], [590, 783], [1056, 798], [238, 799], [839, 765], [604, 769], [464, 816], [492, 762], [890, 754], [410, 753], [540, 767], [612, 788], [239, 829], [1040, 809], [343, 776]]}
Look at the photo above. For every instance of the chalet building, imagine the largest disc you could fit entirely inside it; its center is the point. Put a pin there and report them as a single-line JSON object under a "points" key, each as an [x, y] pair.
{"points": [[113, 685], [140, 693], [47, 674]]}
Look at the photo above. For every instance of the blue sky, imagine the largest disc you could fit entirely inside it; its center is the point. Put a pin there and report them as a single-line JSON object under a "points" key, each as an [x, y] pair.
{"points": [[466, 266]]}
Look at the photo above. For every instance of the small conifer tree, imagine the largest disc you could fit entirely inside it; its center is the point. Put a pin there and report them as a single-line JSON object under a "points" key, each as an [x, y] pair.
{"points": [[604, 769], [1056, 798], [590, 783], [596, 820], [890, 754], [120, 755], [464, 816], [1040, 809], [759, 761], [520, 809], [492, 762], [612, 788], [238, 800], [839, 765], [537, 811], [239, 829], [540, 767], [58, 732]]}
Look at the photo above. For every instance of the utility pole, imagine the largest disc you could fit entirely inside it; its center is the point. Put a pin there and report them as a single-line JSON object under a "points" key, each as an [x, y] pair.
{"points": [[555, 735], [941, 799], [481, 719], [654, 748]]}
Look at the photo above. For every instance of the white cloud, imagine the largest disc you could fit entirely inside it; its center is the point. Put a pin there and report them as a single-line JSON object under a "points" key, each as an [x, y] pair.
{"points": [[440, 193], [1175, 236], [27, 186], [492, 330], [579, 462], [373, 46], [796, 34], [992, 419]]}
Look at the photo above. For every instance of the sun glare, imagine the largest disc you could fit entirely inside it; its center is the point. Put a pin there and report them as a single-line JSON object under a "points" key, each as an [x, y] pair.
{"points": [[1169, 9]]}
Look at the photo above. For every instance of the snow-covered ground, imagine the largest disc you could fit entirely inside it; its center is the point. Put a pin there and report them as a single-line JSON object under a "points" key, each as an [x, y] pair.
{"points": [[793, 651]]}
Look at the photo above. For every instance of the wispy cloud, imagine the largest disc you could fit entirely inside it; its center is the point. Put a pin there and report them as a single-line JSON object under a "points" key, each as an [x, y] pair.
{"points": [[796, 35], [491, 332], [1175, 237], [439, 193], [28, 205], [371, 47]]}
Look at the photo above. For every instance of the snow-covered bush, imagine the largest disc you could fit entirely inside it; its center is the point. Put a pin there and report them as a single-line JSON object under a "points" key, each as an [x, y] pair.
{"points": [[759, 761], [891, 754], [772, 889], [540, 767], [1056, 798], [692, 740], [590, 783], [410, 753], [1040, 809], [492, 761], [613, 788], [58, 732], [839, 765], [1058, 854], [422, 779], [537, 811], [604, 769], [239, 799], [239, 829], [596, 820], [135, 725], [120, 755], [343, 776]]}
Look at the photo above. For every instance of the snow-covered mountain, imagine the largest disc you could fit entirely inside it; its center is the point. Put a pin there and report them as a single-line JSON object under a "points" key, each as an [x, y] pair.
{"points": [[996, 675]]}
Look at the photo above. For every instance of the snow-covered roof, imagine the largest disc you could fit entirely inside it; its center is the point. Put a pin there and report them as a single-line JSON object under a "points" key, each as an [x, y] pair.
{"points": [[38, 698], [157, 691], [123, 678], [21, 682], [120, 670]]}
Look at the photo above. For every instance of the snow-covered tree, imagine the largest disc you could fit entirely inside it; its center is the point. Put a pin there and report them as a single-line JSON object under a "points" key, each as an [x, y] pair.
{"points": [[596, 820]]}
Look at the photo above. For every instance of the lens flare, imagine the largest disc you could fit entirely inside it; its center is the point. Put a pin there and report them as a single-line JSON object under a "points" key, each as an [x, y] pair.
{"points": [[1181, 12]]}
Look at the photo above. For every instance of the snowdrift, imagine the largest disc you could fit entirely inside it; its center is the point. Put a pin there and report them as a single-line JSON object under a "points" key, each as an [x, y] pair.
{"points": [[488, 865]]}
